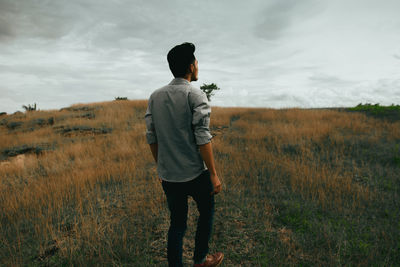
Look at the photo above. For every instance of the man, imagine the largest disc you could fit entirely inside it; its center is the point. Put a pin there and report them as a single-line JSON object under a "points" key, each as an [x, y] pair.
{"points": [[177, 122]]}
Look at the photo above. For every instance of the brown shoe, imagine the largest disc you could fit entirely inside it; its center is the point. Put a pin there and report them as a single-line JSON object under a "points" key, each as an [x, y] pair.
{"points": [[212, 260]]}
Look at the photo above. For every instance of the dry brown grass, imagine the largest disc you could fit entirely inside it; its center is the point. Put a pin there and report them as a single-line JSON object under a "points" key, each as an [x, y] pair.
{"points": [[297, 183]]}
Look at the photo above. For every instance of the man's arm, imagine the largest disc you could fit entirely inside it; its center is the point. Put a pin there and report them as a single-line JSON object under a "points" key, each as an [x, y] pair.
{"points": [[207, 155], [201, 123], [154, 151], [151, 135]]}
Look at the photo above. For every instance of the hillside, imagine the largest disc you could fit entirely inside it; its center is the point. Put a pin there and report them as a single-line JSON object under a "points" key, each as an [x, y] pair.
{"points": [[301, 187]]}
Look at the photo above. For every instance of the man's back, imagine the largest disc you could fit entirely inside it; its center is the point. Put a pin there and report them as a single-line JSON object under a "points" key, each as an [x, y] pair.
{"points": [[178, 118]]}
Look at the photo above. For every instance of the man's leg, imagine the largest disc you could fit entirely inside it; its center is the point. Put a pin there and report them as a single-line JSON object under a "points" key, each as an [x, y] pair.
{"points": [[200, 191], [178, 206]]}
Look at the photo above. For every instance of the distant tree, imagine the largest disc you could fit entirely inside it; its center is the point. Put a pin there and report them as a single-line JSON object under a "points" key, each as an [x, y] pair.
{"points": [[121, 98], [29, 107], [208, 89]]}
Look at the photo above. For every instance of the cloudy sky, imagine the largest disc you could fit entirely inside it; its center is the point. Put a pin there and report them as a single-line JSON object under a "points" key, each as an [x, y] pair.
{"points": [[261, 53]]}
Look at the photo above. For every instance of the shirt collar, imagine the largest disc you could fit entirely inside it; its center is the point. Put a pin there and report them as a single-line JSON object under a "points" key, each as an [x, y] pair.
{"points": [[179, 81]]}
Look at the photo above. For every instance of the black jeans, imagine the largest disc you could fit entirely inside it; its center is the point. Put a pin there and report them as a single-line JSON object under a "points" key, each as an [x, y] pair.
{"points": [[177, 198]]}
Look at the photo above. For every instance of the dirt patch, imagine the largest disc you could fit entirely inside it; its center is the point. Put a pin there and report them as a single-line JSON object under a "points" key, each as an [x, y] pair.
{"points": [[18, 161]]}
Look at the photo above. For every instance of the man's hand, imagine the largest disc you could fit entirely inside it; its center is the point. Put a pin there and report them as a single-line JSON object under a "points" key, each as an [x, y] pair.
{"points": [[216, 184]]}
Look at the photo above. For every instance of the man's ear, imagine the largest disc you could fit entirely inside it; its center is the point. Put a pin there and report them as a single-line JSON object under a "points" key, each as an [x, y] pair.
{"points": [[191, 68]]}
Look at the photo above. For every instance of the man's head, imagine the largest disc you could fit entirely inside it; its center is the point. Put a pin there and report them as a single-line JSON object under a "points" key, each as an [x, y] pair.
{"points": [[182, 61]]}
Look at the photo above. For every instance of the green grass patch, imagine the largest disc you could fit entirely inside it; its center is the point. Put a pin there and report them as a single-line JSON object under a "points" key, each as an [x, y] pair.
{"points": [[375, 107], [391, 112]]}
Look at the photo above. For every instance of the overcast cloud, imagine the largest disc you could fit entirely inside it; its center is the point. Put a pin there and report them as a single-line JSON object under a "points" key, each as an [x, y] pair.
{"points": [[261, 53]]}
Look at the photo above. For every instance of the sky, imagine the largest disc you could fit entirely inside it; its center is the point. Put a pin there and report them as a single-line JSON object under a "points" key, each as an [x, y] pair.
{"points": [[261, 53]]}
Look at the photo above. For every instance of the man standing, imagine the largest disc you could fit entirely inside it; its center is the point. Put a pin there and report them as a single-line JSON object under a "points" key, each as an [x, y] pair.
{"points": [[177, 122]]}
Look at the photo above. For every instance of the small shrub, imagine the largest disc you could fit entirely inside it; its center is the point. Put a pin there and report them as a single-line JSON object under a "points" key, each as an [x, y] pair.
{"points": [[121, 98], [14, 124], [82, 129], [18, 150], [29, 107], [87, 115], [41, 122]]}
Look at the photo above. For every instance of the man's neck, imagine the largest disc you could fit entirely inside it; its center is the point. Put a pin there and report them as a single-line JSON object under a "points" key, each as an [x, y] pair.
{"points": [[188, 77]]}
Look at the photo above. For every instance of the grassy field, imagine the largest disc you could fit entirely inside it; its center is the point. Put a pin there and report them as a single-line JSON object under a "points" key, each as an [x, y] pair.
{"points": [[302, 187]]}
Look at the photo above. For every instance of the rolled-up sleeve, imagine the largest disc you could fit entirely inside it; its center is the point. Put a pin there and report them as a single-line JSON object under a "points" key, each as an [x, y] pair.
{"points": [[151, 135], [201, 119]]}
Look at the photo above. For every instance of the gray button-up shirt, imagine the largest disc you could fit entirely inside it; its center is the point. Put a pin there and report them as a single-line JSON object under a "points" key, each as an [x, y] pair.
{"points": [[178, 119]]}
